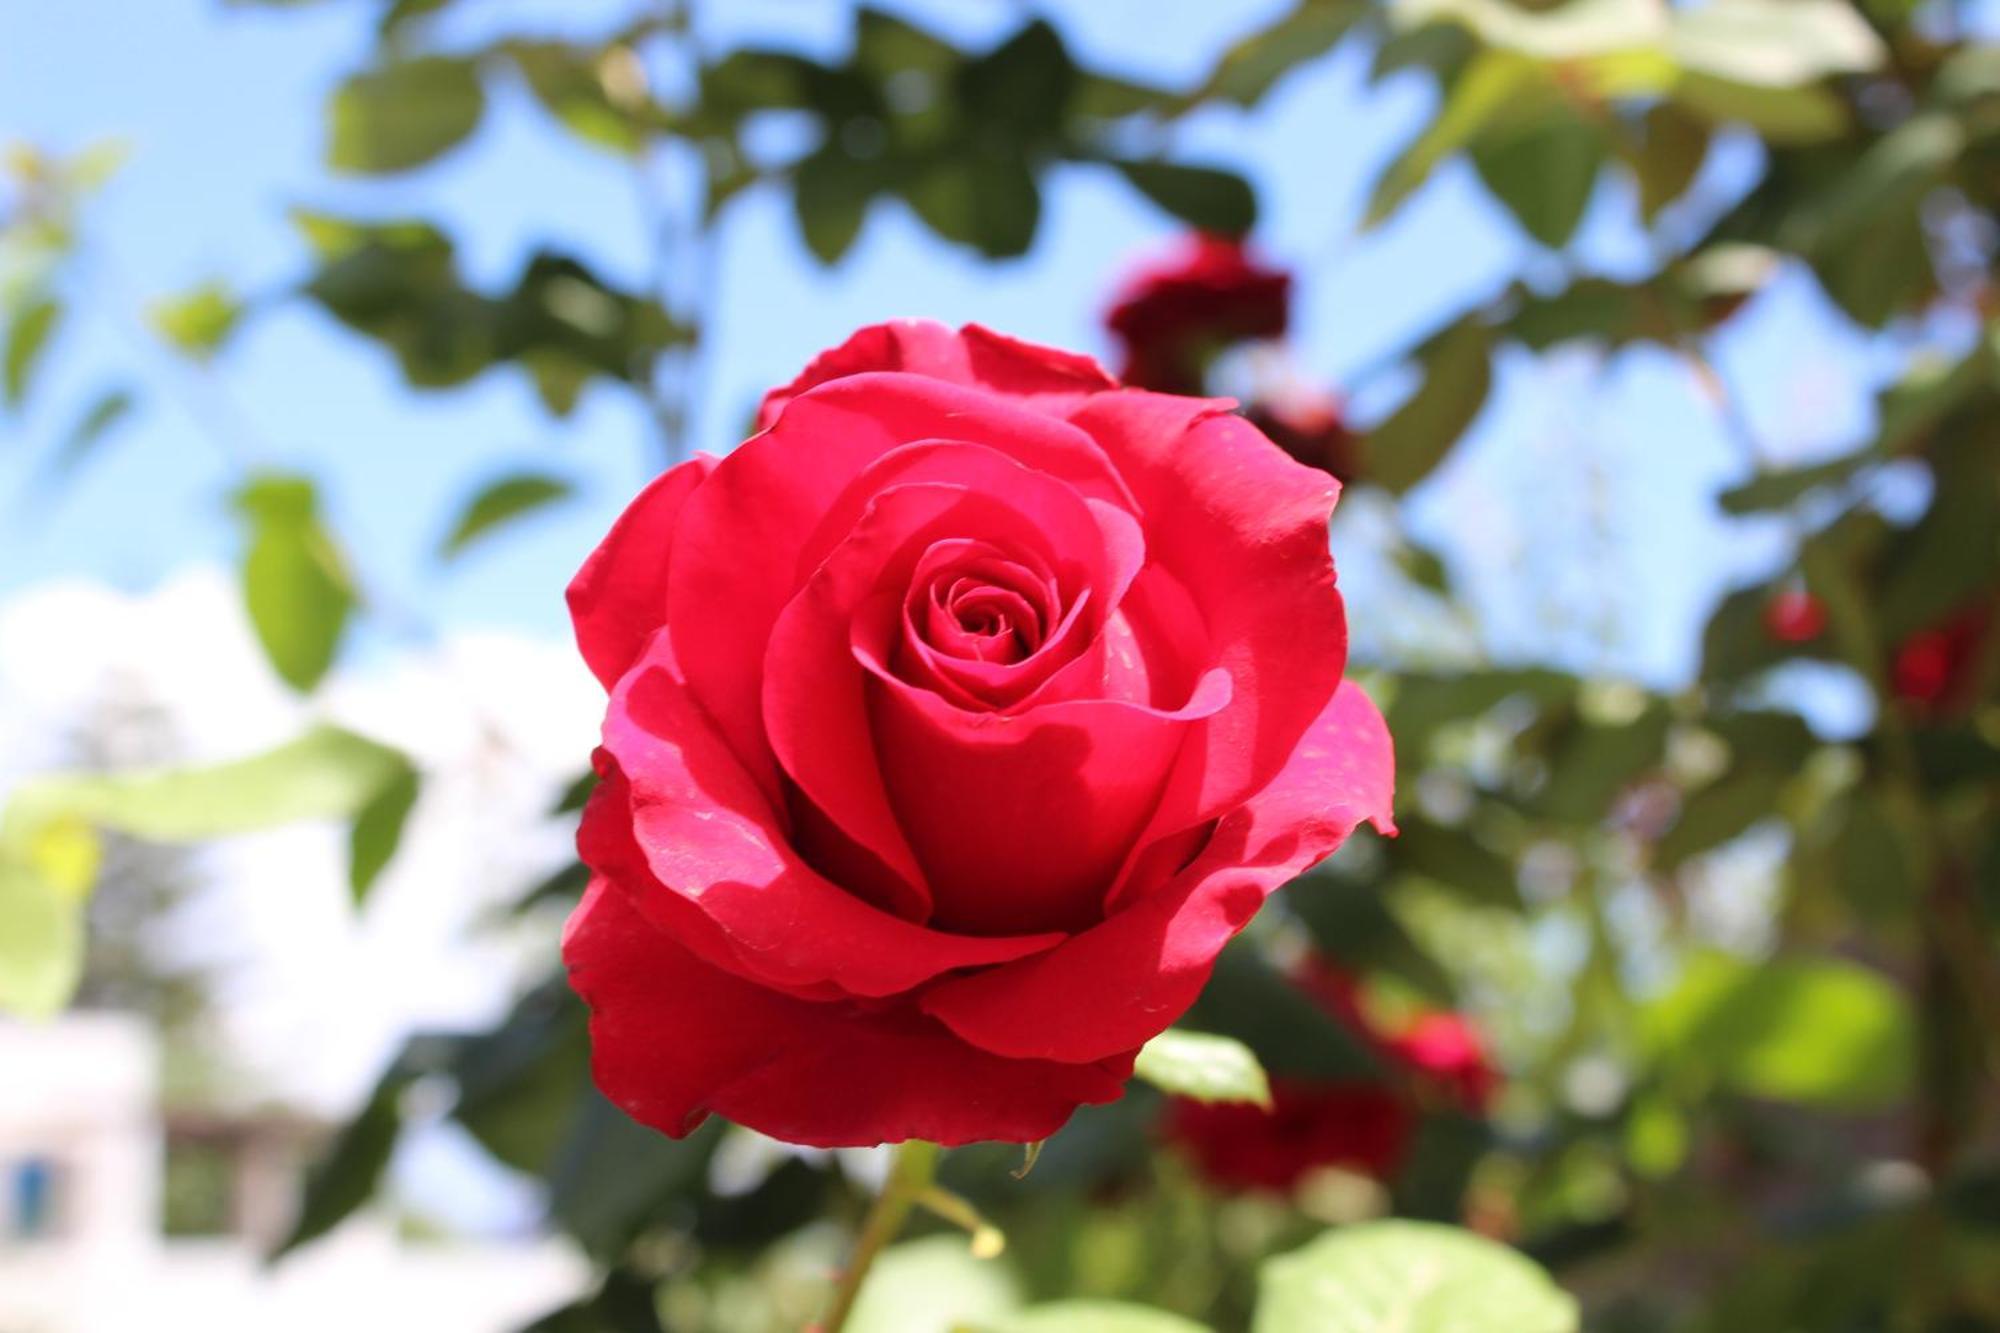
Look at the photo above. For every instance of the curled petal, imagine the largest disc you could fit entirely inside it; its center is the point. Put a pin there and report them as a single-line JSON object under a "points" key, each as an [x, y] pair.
{"points": [[1117, 985], [619, 597], [673, 1039], [1051, 379], [708, 838]]}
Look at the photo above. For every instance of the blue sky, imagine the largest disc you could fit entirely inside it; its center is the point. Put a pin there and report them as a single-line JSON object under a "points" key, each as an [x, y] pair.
{"points": [[1578, 514]]}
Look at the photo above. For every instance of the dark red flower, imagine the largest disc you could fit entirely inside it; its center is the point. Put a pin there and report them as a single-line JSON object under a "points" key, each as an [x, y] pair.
{"points": [[1310, 427], [1364, 1127], [958, 719], [1172, 315], [1795, 616], [1936, 669], [1315, 1123]]}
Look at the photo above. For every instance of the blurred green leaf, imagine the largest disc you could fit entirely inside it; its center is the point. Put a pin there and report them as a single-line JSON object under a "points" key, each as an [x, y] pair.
{"points": [[403, 115], [1206, 198], [28, 337], [1203, 1066], [1457, 860], [501, 501], [1774, 43], [933, 1285], [624, 1302], [574, 85], [1543, 173], [42, 899], [198, 321], [326, 774], [1821, 1031], [1095, 1317], [1783, 116], [1777, 490], [1718, 813], [1673, 147], [104, 415], [831, 196], [989, 201], [1408, 1277], [346, 1177], [378, 830], [295, 581], [1497, 90], [1252, 67], [1457, 373]]}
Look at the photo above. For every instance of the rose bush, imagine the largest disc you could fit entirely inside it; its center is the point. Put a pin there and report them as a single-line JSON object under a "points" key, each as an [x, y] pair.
{"points": [[1435, 1059], [1172, 315], [958, 719]]}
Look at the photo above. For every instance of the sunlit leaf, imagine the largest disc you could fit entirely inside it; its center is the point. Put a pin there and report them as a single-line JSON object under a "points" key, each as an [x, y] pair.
{"points": [[378, 830], [1408, 1277], [500, 502], [403, 114], [104, 415], [199, 321], [1774, 43], [1203, 1066], [28, 337], [296, 587], [1457, 372], [1821, 1031], [933, 1283]]}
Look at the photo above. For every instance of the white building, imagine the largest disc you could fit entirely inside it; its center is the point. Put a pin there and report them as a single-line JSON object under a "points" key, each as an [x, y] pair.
{"points": [[82, 1156]]}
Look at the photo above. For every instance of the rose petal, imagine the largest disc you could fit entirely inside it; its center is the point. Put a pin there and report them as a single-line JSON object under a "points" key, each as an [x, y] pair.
{"points": [[737, 551], [673, 1039], [815, 712], [1245, 529], [619, 597], [1047, 377], [709, 838], [1021, 820], [1116, 986]]}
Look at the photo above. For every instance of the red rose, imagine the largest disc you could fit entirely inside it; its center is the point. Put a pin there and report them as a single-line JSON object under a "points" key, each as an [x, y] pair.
{"points": [[1308, 425], [1794, 616], [1171, 316], [957, 720], [1936, 669], [1312, 1124], [1316, 1123]]}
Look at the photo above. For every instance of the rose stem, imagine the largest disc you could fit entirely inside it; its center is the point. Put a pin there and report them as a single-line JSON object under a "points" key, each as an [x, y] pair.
{"points": [[909, 1176]]}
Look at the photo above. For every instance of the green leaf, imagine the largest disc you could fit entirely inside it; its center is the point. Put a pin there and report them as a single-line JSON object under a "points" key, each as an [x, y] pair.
{"points": [[1096, 1317], [1496, 90], [378, 830], [41, 937], [989, 201], [1203, 197], [1784, 116], [1252, 67], [1819, 1031], [403, 114], [1408, 1277], [1718, 813], [1458, 861], [1457, 368], [295, 582], [572, 84], [346, 1177], [500, 502], [104, 414], [831, 195], [1674, 146], [1774, 43], [933, 1285], [27, 339], [1778, 490], [199, 321], [1544, 174], [328, 773], [1203, 1066], [1572, 32]]}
